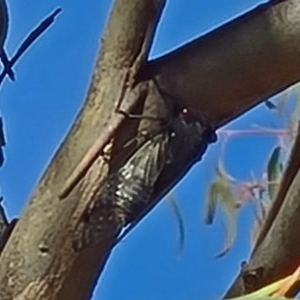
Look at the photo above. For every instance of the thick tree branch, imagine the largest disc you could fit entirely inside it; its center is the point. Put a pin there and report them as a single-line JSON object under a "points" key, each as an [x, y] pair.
{"points": [[228, 71], [220, 75], [46, 266]]}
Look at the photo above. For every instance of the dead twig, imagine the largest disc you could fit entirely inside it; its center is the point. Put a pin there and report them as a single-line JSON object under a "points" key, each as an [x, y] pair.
{"points": [[32, 37]]}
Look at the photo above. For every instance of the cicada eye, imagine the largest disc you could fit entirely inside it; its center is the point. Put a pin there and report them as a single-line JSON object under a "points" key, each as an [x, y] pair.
{"points": [[184, 111], [186, 115]]}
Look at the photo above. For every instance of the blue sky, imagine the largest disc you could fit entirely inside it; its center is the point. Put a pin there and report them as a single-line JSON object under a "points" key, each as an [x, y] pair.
{"points": [[38, 109]]}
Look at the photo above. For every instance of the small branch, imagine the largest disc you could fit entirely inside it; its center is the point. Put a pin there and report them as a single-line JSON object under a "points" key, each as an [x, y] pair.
{"points": [[6, 227], [277, 249], [242, 132], [223, 75], [2, 142], [33, 36], [7, 67], [3, 219]]}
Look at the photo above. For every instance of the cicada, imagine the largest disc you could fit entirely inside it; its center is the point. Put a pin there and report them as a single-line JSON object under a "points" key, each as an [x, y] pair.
{"points": [[148, 174]]}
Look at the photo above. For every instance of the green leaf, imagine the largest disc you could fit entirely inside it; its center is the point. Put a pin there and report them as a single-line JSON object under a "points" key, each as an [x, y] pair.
{"points": [[274, 172], [211, 203], [179, 219], [265, 293], [220, 192], [294, 118]]}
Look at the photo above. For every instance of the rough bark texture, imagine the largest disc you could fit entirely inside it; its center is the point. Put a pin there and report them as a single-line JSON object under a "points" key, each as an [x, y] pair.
{"points": [[235, 67], [39, 261], [222, 75]]}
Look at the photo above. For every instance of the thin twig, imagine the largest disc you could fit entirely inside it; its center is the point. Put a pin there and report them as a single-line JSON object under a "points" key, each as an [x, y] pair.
{"points": [[6, 64], [30, 39]]}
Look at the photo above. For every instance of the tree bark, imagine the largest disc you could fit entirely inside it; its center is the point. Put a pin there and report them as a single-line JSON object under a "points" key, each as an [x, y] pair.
{"points": [[220, 75], [39, 261], [277, 249], [237, 66]]}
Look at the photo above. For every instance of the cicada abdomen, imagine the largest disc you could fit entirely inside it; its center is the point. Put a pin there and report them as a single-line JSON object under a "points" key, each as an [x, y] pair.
{"points": [[158, 165], [148, 174], [132, 186], [127, 191]]}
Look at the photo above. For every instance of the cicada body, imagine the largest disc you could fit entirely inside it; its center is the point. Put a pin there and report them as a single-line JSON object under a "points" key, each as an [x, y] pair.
{"points": [[157, 166], [147, 175]]}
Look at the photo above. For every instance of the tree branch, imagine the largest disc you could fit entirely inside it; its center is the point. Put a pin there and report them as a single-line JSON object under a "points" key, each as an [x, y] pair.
{"points": [[221, 75], [47, 266], [277, 250], [235, 67], [33, 36]]}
